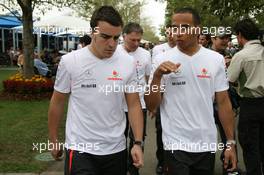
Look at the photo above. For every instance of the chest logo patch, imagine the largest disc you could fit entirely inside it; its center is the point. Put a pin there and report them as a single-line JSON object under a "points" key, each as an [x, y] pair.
{"points": [[138, 64], [204, 74], [115, 76]]}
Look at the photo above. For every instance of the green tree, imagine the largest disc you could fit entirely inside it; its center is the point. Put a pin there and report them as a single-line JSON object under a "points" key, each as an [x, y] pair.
{"points": [[238, 9], [128, 9], [149, 31], [220, 12]]}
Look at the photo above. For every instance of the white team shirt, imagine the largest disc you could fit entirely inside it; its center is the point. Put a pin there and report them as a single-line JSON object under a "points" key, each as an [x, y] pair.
{"points": [[187, 105], [160, 49], [142, 60], [95, 119]]}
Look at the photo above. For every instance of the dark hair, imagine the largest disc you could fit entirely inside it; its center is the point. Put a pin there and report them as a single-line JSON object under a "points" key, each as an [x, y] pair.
{"points": [[107, 14], [195, 15], [248, 29], [207, 36], [132, 27], [85, 39]]}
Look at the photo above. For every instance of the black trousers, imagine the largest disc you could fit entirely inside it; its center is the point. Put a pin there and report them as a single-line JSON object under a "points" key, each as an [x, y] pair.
{"points": [[186, 163], [251, 134], [159, 151], [80, 163]]}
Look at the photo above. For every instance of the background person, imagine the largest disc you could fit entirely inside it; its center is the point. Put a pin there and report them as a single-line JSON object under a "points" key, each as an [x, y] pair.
{"points": [[132, 34], [247, 68]]}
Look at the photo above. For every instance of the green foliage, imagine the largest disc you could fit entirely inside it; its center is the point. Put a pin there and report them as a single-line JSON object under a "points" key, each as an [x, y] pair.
{"points": [[220, 12], [129, 9], [4, 74], [149, 31]]}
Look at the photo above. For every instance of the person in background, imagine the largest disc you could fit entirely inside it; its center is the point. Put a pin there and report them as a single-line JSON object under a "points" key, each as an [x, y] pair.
{"points": [[230, 50], [132, 34], [20, 60], [165, 46], [84, 41], [247, 68], [219, 44], [41, 67], [205, 40]]}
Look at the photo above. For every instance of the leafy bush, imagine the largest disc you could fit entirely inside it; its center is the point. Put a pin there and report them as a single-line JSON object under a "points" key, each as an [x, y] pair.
{"points": [[38, 84]]}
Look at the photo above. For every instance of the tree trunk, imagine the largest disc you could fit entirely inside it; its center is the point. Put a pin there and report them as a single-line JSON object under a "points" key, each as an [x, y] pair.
{"points": [[28, 39]]}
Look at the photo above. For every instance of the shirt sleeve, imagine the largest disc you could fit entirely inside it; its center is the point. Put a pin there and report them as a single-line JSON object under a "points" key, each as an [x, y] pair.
{"points": [[234, 69], [148, 65], [63, 78], [221, 82]]}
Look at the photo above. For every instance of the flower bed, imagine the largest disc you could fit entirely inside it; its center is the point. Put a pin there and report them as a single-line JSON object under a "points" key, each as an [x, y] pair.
{"points": [[19, 87]]}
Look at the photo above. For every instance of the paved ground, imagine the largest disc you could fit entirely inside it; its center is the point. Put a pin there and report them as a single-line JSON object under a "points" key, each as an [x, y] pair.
{"points": [[150, 159]]}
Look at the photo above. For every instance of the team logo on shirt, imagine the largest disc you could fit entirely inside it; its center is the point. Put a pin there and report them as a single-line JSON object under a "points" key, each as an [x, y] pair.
{"points": [[204, 74], [88, 86], [115, 76], [89, 72], [138, 64]]}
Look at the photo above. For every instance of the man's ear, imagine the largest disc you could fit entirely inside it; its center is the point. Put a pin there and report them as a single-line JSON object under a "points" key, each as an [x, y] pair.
{"points": [[123, 35], [239, 35], [212, 39]]}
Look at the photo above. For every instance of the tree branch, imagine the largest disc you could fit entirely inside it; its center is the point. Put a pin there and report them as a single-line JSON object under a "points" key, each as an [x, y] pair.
{"points": [[21, 4], [18, 17]]}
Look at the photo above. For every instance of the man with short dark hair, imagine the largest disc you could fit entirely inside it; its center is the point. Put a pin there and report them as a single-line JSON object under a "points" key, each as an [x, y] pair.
{"points": [[247, 68], [84, 41], [185, 81], [96, 79], [132, 34], [165, 46], [220, 41], [204, 41], [219, 44]]}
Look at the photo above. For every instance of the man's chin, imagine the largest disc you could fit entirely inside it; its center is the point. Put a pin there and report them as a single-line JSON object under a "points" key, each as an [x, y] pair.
{"points": [[108, 55]]}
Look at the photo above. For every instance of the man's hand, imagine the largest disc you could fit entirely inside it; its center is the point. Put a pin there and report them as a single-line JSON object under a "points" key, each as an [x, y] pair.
{"points": [[166, 68], [137, 156], [230, 158], [152, 114], [57, 151], [228, 60]]}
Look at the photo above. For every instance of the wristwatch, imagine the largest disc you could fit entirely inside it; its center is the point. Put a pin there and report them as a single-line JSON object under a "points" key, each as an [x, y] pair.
{"points": [[230, 142], [140, 143]]}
